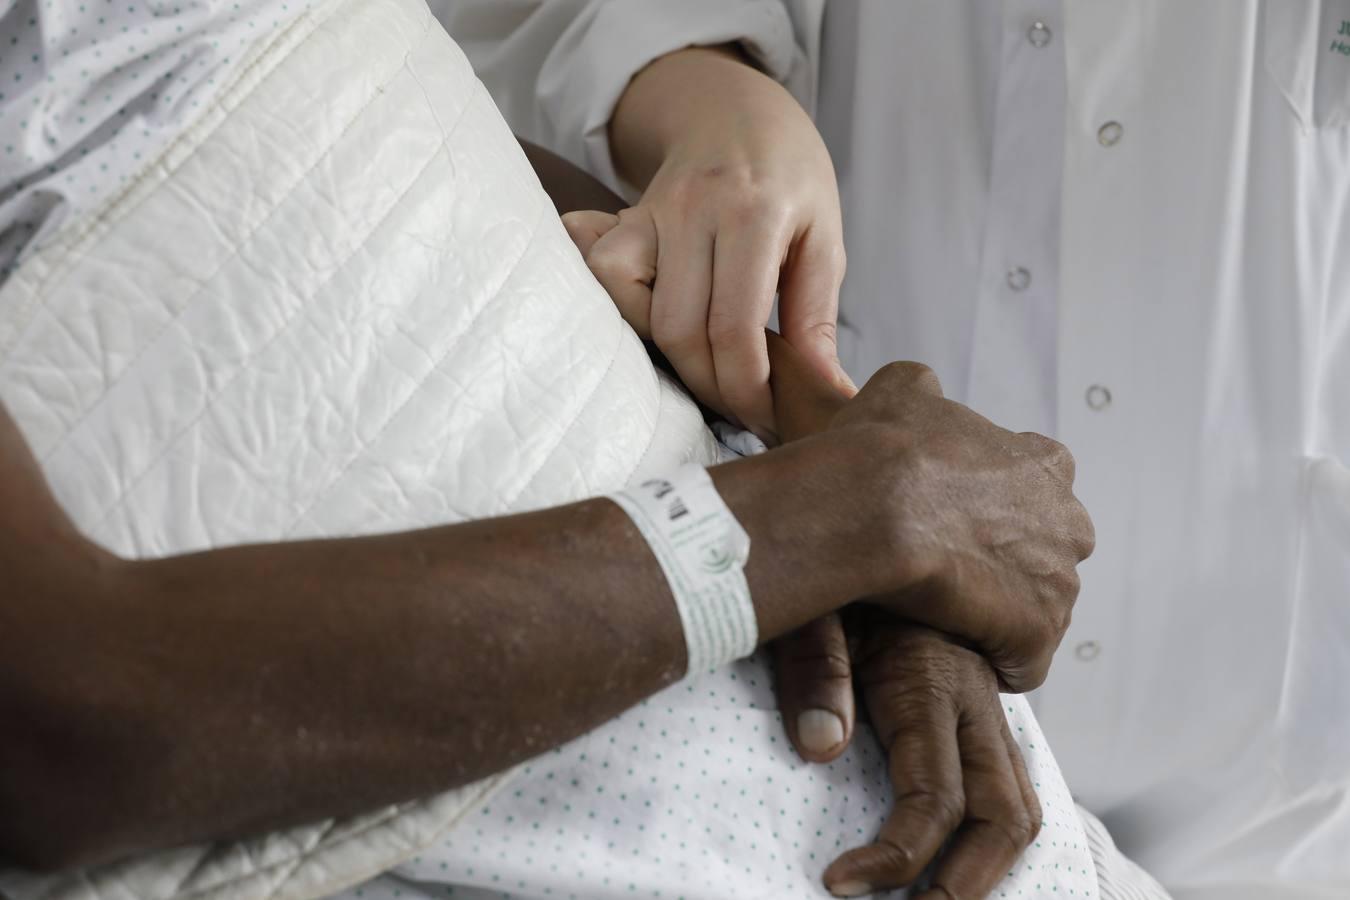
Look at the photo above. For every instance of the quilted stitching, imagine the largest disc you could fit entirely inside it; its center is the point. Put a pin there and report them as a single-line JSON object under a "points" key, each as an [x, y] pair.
{"points": [[479, 423]]}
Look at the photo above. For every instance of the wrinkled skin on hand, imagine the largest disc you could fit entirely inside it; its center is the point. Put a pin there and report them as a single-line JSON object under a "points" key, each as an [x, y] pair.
{"points": [[987, 533], [955, 769]]}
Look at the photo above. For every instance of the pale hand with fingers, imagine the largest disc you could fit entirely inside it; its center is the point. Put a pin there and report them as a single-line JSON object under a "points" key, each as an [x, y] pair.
{"points": [[734, 212], [620, 251]]}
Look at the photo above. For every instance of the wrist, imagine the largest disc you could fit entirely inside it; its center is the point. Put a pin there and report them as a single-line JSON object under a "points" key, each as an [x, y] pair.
{"points": [[676, 96], [808, 548]]}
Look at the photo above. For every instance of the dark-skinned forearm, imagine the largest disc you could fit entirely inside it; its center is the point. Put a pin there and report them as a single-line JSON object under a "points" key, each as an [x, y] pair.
{"points": [[246, 688]]}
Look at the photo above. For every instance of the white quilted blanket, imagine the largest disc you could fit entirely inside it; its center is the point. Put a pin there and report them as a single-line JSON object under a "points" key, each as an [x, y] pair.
{"points": [[339, 304]]}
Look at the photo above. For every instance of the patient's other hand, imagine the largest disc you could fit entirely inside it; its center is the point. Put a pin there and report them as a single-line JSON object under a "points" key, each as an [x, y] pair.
{"points": [[955, 770]]}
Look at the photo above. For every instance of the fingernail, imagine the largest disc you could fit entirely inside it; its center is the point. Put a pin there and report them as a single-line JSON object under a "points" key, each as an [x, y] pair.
{"points": [[850, 889], [819, 730]]}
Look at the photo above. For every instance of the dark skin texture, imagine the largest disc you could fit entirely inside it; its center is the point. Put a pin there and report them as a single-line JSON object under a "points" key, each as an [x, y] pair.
{"points": [[955, 768], [621, 251], [128, 683], [153, 703], [740, 203]]}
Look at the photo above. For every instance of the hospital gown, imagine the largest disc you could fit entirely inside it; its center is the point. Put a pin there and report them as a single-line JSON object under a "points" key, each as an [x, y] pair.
{"points": [[697, 794]]}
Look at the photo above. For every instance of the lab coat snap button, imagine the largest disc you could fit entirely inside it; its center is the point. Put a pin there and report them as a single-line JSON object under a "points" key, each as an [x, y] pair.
{"points": [[1087, 651], [1098, 397], [1110, 134], [1019, 279], [1039, 34]]}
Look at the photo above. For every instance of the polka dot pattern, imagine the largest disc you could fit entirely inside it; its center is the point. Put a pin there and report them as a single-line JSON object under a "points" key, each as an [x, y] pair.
{"points": [[92, 90], [697, 794]]}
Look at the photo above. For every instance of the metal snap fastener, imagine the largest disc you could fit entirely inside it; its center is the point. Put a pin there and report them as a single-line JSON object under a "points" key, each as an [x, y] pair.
{"points": [[1110, 134], [1039, 34], [1098, 397], [1087, 651], [1019, 279]]}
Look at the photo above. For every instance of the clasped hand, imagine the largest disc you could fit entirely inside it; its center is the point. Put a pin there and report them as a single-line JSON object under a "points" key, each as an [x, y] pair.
{"points": [[983, 535]]}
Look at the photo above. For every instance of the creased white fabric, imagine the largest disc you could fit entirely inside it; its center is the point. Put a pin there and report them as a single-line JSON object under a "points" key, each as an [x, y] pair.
{"points": [[1118, 877], [697, 793], [90, 92], [697, 790], [338, 303]]}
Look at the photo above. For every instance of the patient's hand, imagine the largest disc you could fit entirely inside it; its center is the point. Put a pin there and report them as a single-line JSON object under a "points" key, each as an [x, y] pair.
{"points": [[982, 532], [935, 707], [955, 769]]}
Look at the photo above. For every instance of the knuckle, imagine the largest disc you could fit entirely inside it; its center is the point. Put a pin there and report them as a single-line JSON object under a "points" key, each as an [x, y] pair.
{"points": [[756, 208], [1050, 453], [827, 330], [694, 186], [1073, 584], [678, 344], [1033, 674], [574, 222], [1024, 667], [1085, 531], [1019, 828], [1062, 461], [907, 374], [608, 266], [1036, 817], [727, 331], [632, 214], [718, 171], [577, 217], [946, 807], [1058, 458], [687, 190], [898, 862], [877, 448], [825, 665], [674, 335], [922, 699], [1059, 592]]}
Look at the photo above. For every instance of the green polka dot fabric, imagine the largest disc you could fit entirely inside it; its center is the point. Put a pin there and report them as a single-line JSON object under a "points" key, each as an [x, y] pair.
{"points": [[697, 794], [91, 90]]}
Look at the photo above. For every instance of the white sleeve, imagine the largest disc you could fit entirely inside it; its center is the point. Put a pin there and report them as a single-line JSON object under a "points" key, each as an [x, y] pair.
{"points": [[1118, 877], [557, 68]]}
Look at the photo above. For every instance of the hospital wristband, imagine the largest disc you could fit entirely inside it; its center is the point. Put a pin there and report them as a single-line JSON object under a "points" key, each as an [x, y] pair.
{"points": [[702, 550]]}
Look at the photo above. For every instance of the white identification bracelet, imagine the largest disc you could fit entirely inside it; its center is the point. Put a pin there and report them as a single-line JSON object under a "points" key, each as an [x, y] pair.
{"points": [[702, 550]]}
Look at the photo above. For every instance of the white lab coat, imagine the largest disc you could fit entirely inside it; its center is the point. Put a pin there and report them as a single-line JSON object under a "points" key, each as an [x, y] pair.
{"points": [[1126, 224]]}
